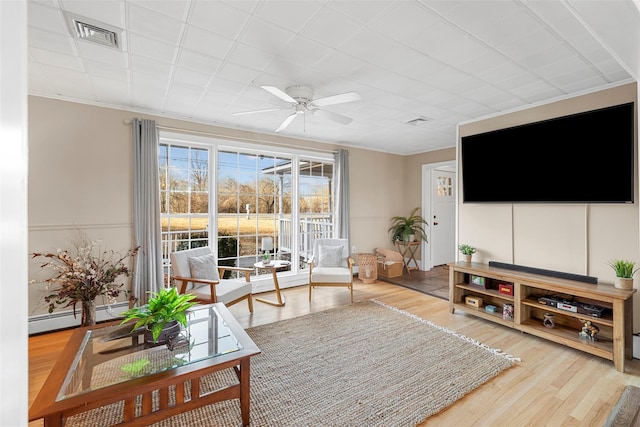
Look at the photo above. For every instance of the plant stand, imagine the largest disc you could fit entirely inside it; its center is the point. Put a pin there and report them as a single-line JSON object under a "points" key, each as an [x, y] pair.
{"points": [[408, 252]]}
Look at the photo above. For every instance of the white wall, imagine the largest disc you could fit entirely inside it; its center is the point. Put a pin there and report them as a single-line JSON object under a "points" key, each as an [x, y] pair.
{"points": [[579, 239], [14, 396]]}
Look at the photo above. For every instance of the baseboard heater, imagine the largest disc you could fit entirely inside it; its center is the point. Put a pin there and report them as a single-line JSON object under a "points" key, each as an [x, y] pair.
{"points": [[543, 272], [64, 319]]}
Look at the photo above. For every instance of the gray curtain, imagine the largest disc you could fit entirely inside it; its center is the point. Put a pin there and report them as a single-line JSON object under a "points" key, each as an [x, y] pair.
{"points": [[148, 274], [343, 210]]}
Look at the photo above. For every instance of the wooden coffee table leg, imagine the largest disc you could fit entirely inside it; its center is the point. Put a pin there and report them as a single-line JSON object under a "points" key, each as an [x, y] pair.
{"points": [[245, 391]]}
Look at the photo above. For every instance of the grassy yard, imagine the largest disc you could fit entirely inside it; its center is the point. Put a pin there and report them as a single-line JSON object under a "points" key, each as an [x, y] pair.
{"points": [[227, 225]]}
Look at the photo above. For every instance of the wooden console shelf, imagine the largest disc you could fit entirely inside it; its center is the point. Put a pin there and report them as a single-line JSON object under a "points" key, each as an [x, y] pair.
{"points": [[614, 340]]}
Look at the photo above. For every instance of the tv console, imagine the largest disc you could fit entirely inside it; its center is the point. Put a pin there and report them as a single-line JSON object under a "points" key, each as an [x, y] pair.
{"points": [[529, 296]]}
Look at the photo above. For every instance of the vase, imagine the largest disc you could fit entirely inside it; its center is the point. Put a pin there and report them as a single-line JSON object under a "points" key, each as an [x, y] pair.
{"points": [[624, 283], [169, 330], [549, 320], [88, 313]]}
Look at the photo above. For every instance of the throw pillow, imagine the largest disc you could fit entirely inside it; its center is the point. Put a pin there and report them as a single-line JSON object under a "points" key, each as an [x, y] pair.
{"points": [[204, 267], [330, 256]]}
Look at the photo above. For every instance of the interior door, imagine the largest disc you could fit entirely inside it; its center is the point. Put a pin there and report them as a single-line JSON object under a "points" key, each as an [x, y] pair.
{"points": [[443, 201]]}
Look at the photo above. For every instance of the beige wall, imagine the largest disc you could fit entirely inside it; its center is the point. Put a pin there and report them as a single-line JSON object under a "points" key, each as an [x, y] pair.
{"points": [[578, 239], [80, 177]]}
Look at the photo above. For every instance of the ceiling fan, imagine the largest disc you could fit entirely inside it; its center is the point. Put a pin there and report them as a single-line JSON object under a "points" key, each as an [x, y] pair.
{"points": [[301, 99]]}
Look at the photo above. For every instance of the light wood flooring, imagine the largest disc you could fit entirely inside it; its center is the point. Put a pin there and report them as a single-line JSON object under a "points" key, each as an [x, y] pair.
{"points": [[552, 386]]}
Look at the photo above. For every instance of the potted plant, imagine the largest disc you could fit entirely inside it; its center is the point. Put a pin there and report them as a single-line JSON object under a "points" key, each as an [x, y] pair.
{"points": [[624, 273], [403, 228], [467, 251], [165, 312]]}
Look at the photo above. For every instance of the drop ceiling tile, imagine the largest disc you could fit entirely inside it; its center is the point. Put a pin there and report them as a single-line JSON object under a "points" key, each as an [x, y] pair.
{"points": [[68, 82], [108, 12], [144, 46], [177, 9], [46, 18], [331, 28], [103, 54], [207, 43], [340, 64], [198, 62], [185, 75], [404, 21], [354, 9], [155, 25], [293, 15], [106, 71], [219, 18], [250, 56], [305, 52], [57, 59], [237, 73], [266, 36], [54, 42], [143, 64]]}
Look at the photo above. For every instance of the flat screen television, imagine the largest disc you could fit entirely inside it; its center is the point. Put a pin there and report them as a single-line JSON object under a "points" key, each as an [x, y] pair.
{"points": [[580, 158]]}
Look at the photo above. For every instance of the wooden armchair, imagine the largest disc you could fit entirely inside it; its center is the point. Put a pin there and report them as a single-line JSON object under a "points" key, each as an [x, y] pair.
{"points": [[331, 265], [198, 273]]}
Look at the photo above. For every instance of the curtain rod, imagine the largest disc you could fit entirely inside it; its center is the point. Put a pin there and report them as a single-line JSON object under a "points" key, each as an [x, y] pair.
{"points": [[235, 138]]}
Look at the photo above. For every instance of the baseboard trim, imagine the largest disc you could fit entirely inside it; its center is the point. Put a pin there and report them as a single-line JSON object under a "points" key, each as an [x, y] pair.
{"points": [[64, 319]]}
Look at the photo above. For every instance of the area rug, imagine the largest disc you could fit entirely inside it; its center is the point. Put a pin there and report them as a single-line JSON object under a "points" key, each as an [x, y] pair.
{"points": [[365, 364]]}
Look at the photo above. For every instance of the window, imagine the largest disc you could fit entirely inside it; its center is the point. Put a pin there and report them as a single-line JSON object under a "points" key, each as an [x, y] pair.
{"points": [[243, 201]]}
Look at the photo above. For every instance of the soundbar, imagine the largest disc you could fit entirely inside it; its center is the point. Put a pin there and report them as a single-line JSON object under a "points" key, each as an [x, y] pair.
{"points": [[543, 272]]}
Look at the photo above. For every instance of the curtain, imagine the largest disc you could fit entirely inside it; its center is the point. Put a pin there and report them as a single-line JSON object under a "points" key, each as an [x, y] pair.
{"points": [[148, 274], [343, 211]]}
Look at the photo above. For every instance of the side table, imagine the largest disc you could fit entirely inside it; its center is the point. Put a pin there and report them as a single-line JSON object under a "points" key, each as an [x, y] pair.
{"points": [[408, 252], [274, 266]]}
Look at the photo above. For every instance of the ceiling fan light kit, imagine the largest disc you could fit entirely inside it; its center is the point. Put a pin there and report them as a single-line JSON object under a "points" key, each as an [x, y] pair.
{"points": [[301, 99]]}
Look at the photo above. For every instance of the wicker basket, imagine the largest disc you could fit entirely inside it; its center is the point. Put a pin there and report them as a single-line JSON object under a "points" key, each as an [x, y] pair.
{"points": [[367, 270]]}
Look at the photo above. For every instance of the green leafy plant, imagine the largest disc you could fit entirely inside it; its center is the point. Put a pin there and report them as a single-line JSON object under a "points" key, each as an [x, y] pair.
{"points": [[413, 224], [623, 268], [163, 307], [466, 249]]}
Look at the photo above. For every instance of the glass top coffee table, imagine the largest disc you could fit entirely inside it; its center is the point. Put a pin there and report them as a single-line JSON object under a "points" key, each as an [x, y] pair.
{"points": [[110, 363]]}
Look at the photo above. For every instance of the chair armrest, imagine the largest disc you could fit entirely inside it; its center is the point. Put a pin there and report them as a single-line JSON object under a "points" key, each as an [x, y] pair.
{"points": [[185, 280], [194, 280], [247, 271]]}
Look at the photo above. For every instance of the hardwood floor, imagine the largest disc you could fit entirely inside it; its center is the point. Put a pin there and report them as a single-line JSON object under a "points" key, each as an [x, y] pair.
{"points": [[552, 385]]}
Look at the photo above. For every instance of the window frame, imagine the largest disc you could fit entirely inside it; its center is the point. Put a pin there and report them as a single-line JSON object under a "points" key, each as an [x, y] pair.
{"points": [[216, 144]]}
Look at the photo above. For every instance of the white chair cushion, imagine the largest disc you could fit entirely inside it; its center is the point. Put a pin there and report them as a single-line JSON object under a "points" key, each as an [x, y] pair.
{"points": [[226, 291], [204, 267], [331, 275], [330, 256]]}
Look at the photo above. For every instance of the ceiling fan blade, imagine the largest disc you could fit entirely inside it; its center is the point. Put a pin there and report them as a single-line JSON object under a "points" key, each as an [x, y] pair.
{"points": [[333, 116], [286, 122], [258, 111], [337, 99], [279, 93]]}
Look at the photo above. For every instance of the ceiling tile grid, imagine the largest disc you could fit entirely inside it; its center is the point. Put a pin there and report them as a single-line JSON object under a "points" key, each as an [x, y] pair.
{"points": [[205, 60]]}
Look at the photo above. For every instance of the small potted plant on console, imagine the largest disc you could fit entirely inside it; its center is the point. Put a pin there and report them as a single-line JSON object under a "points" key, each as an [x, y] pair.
{"points": [[624, 273], [467, 251]]}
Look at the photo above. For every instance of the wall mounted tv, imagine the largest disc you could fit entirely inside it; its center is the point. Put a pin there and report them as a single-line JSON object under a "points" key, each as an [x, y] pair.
{"points": [[580, 158]]}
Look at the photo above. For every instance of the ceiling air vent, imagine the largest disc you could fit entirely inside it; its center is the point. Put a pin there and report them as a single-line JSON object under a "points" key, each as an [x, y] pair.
{"points": [[94, 31], [418, 121]]}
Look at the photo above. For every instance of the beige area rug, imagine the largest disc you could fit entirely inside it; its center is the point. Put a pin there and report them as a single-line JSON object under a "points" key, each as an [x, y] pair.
{"points": [[366, 364]]}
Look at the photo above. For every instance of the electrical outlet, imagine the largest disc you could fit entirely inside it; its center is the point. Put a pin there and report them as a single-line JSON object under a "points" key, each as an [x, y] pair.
{"points": [[353, 249]]}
